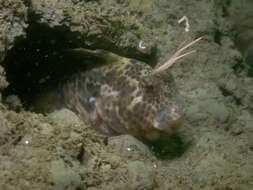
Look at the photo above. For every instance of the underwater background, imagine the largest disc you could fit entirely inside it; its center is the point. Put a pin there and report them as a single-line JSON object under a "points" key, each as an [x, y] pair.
{"points": [[44, 145]]}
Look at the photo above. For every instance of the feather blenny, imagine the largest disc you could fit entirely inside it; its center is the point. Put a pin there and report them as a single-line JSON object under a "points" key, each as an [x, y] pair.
{"points": [[124, 96]]}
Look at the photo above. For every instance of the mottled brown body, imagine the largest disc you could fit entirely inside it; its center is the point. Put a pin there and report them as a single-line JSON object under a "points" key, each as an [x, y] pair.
{"points": [[123, 97]]}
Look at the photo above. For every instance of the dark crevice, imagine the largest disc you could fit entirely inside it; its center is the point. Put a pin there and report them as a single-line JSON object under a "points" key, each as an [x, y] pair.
{"points": [[17, 140], [239, 67], [39, 61], [27, 3], [217, 37], [228, 93], [250, 72], [80, 155], [42, 60]]}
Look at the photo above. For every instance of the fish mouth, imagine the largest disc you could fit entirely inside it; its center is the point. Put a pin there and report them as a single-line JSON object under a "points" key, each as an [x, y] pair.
{"points": [[164, 127], [168, 120], [174, 124]]}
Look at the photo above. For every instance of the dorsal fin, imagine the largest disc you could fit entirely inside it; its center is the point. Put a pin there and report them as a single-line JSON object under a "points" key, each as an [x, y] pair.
{"points": [[97, 56], [177, 55]]}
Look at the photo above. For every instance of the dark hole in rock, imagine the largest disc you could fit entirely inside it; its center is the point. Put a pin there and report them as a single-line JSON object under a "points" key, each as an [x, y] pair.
{"points": [[43, 60], [227, 93], [240, 15], [249, 59], [217, 37], [38, 62], [17, 140], [80, 155], [239, 67]]}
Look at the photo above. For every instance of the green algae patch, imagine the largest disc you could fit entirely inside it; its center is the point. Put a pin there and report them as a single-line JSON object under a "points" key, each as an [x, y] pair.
{"points": [[170, 147]]}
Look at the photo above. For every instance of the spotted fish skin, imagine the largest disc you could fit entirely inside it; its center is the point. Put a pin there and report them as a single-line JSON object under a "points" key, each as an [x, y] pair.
{"points": [[123, 97]]}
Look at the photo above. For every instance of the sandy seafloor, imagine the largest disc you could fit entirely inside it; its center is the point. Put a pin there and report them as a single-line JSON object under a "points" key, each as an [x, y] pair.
{"points": [[58, 151]]}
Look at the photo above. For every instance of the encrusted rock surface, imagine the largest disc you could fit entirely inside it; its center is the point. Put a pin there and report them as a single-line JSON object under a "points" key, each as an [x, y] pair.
{"points": [[103, 24], [13, 17]]}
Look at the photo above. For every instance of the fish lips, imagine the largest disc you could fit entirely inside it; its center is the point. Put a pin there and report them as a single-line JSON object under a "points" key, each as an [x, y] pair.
{"points": [[169, 119]]}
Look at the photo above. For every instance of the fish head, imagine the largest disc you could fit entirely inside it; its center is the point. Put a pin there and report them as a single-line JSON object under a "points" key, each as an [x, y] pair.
{"points": [[154, 107]]}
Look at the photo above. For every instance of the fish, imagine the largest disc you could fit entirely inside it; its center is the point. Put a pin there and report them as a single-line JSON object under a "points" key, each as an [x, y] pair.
{"points": [[124, 96]]}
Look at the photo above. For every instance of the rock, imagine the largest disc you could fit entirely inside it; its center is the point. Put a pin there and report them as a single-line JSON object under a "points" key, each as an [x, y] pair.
{"points": [[246, 119], [65, 115], [129, 146], [141, 176], [12, 24], [237, 131], [194, 114], [97, 23], [217, 109], [13, 102], [241, 15], [249, 55], [63, 177], [223, 157], [46, 129], [3, 82], [3, 126]]}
